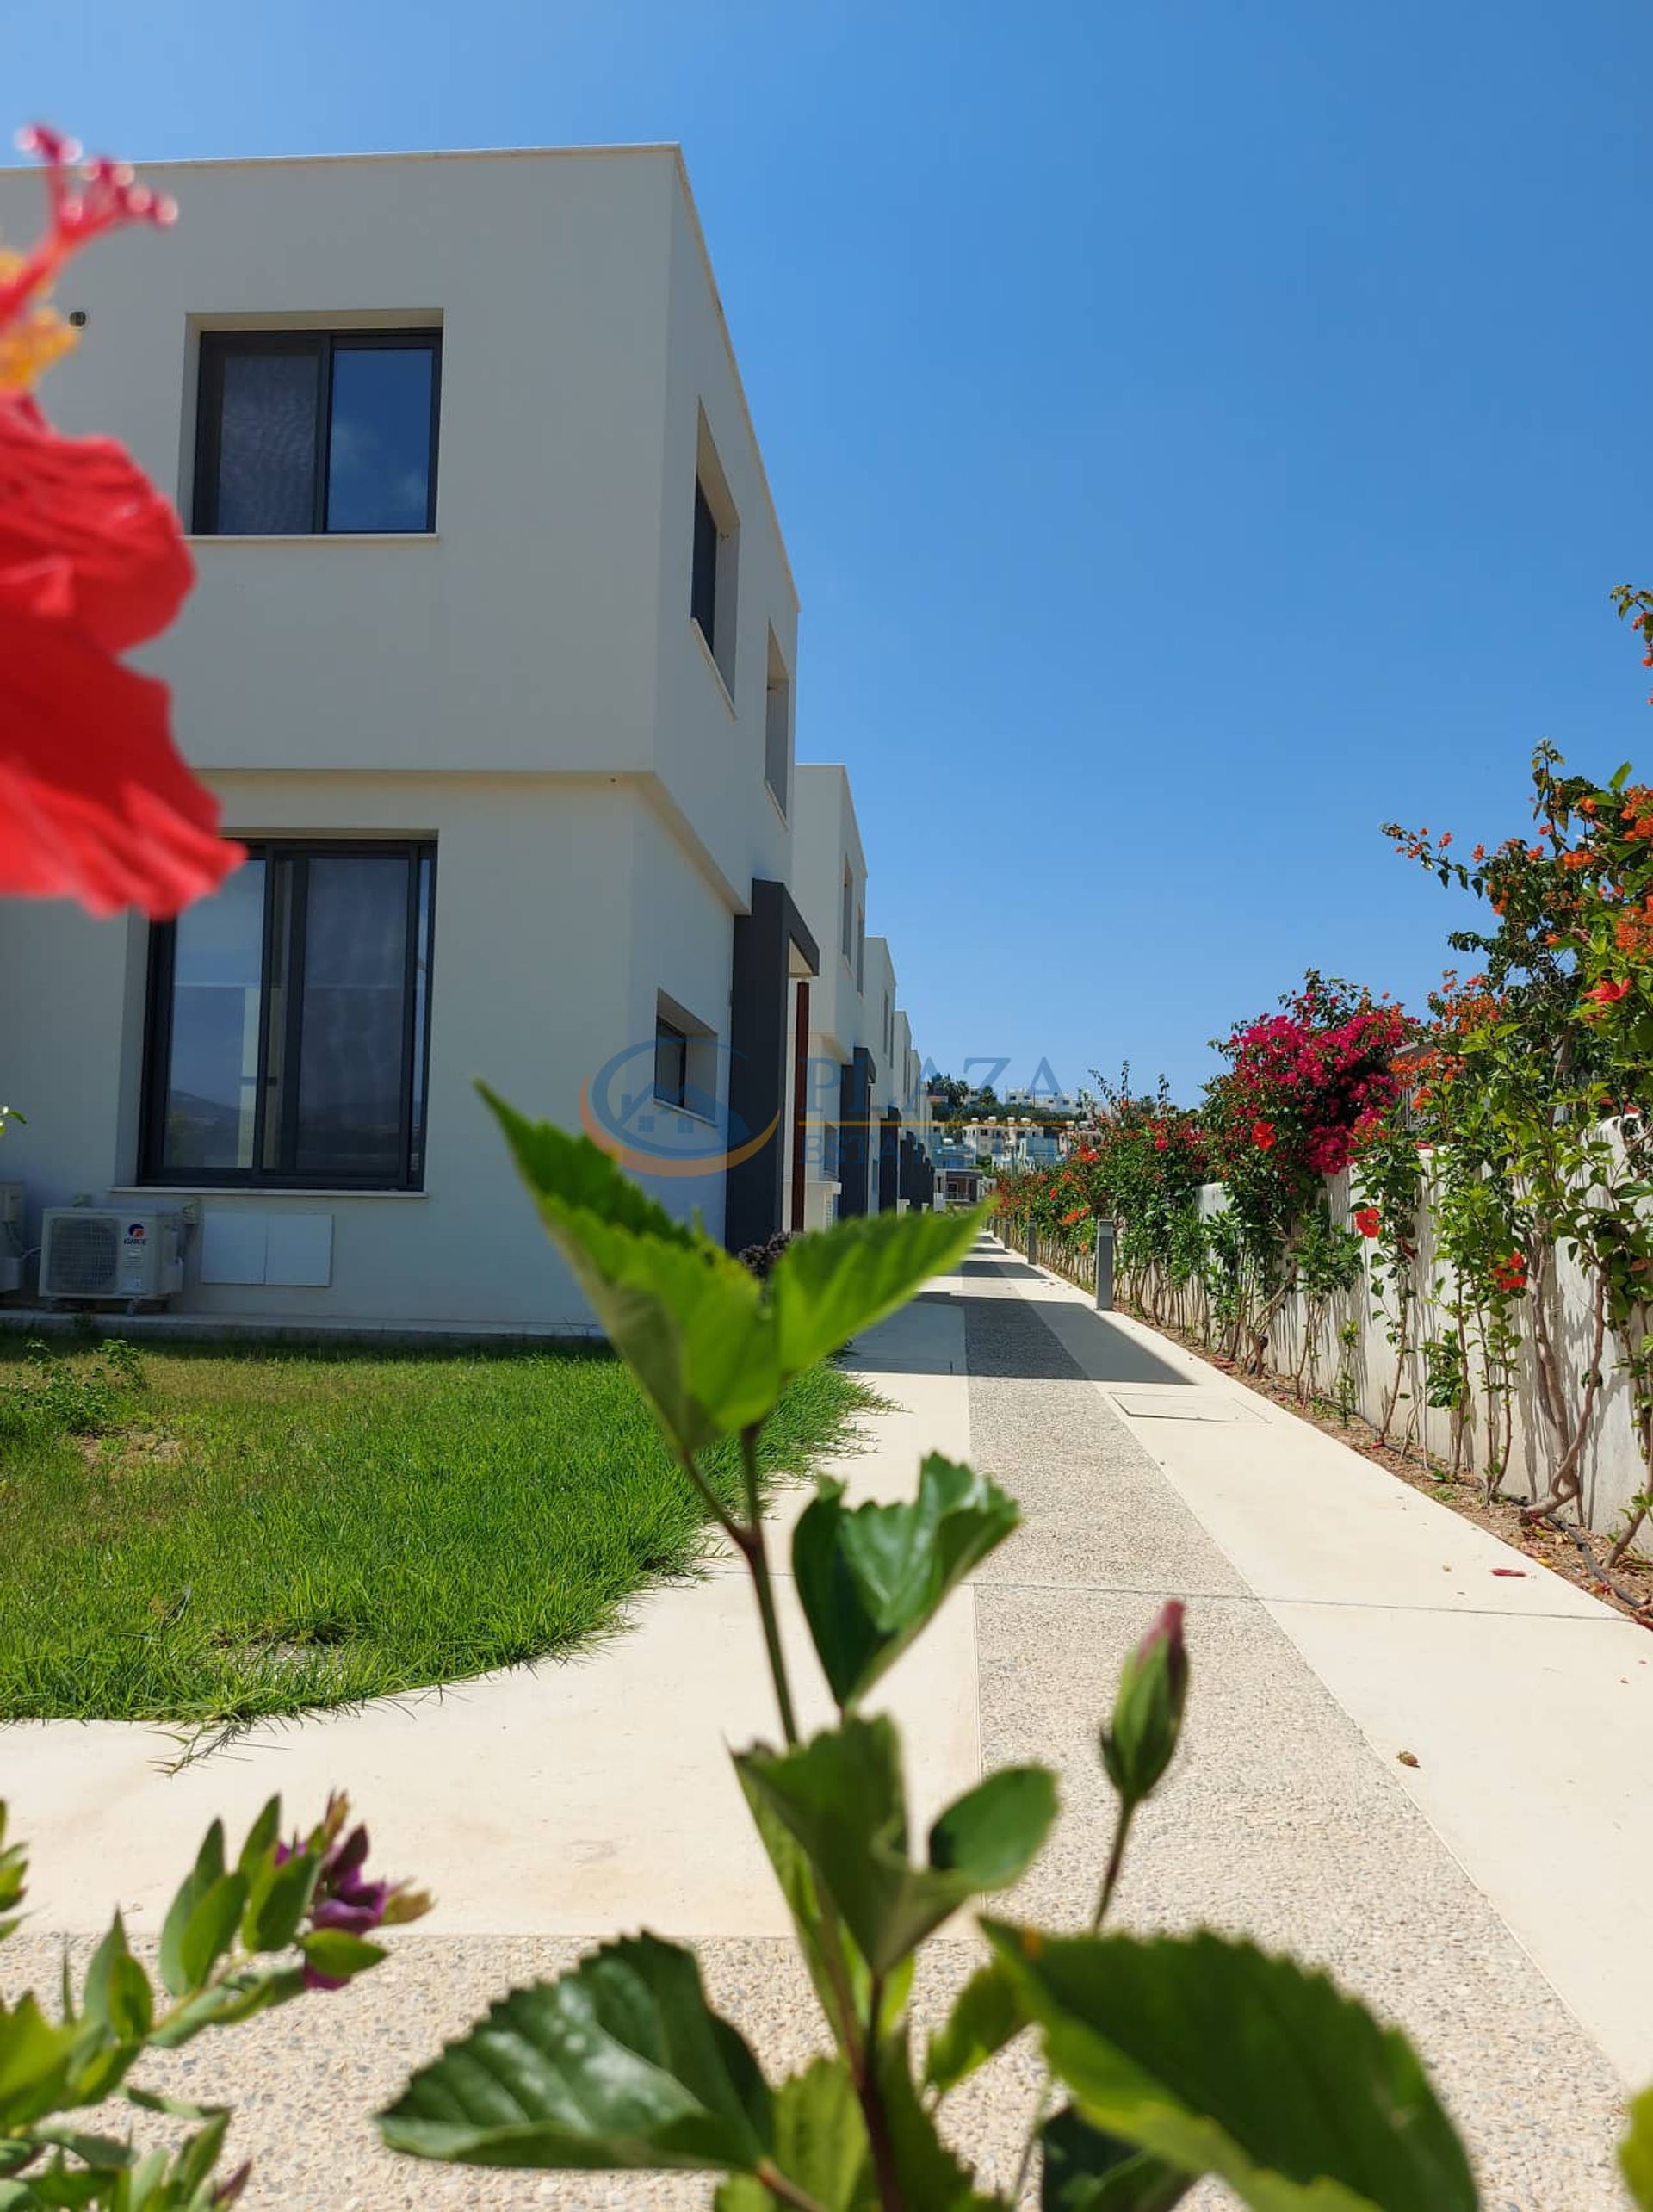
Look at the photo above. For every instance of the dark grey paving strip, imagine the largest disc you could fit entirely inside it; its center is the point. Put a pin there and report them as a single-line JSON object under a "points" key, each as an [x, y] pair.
{"points": [[1279, 1821]]}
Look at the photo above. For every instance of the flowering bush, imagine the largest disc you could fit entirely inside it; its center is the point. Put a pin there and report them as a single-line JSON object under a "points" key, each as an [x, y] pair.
{"points": [[284, 1919]]}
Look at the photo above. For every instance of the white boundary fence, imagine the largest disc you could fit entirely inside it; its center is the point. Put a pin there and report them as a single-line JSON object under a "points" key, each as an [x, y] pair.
{"points": [[1364, 1367]]}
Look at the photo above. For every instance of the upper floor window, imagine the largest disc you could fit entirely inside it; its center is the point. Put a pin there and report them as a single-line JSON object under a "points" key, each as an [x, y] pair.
{"points": [[777, 726], [287, 1020], [715, 564], [846, 939], [301, 432], [860, 950]]}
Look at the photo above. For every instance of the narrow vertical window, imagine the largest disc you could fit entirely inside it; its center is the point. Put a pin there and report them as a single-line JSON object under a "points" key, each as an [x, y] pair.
{"points": [[777, 726], [703, 596]]}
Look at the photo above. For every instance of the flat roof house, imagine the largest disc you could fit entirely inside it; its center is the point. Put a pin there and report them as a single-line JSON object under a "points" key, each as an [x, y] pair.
{"points": [[491, 662]]}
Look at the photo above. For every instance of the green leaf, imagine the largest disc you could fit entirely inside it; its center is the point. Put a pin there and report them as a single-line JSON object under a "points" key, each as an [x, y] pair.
{"points": [[1220, 2059], [687, 1318], [339, 1954], [841, 1974], [207, 1869], [36, 2056], [277, 1901], [826, 1287], [1636, 2152], [870, 1579], [841, 1796], [225, 2004], [13, 1871], [987, 2014], [820, 2147], [117, 1995], [1085, 2170], [261, 1837], [198, 2155], [621, 2063], [928, 2172], [211, 1927]]}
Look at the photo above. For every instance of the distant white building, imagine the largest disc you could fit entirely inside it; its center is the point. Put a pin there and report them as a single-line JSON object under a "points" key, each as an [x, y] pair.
{"points": [[491, 663]]}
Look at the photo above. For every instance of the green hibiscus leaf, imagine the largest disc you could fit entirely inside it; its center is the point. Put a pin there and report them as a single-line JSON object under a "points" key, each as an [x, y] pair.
{"points": [[1636, 2152], [826, 1287], [870, 1578], [688, 1320], [621, 2063], [928, 2172], [1220, 2059], [820, 2147], [988, 2013], [841, 1796], [1085, 2170]]}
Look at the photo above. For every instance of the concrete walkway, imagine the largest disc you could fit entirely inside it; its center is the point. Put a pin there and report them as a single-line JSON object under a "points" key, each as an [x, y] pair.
{"points": [[1489, 1898]]}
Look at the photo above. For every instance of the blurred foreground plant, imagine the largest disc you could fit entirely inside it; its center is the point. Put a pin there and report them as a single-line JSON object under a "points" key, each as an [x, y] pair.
{"points": [[1169, 2058], [282, 1919]]}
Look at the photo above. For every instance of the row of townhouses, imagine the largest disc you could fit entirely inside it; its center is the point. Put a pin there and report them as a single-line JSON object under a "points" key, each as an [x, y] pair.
{"points": [[491, 662]]}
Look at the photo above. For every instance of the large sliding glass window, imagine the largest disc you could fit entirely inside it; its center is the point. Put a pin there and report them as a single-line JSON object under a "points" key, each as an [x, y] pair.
{"points": [[288, 1023]]}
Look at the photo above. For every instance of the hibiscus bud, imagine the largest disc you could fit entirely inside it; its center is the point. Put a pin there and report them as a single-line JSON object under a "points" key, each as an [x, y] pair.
{"points": [[1138, 1745]]}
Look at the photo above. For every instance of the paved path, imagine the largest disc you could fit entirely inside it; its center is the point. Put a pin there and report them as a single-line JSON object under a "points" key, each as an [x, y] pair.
{"points": [[1335, 1619]]}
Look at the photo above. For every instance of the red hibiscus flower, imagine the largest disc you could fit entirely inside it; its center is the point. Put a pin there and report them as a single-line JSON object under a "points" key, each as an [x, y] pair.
{"points": [[1369, 1221], [95, 802], [1607, 994], [1262, 1135]]}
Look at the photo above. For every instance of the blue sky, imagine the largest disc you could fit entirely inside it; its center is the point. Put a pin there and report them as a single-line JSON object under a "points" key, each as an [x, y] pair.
{"points": [[1202, 430]]}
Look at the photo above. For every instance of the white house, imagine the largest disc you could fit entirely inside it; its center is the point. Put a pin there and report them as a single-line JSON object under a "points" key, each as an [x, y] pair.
{"points": [[491, 662]]}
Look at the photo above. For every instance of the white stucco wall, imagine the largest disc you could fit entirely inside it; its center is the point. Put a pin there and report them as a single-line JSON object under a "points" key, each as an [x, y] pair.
{"points": [[563, 906]]}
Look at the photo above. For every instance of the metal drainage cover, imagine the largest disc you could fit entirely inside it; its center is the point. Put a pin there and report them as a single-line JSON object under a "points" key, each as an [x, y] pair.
{"points": [[1182, 1403]]}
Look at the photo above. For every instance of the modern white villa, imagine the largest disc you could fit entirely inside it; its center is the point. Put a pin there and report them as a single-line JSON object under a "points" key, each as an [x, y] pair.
{"points": [[491, 661]]}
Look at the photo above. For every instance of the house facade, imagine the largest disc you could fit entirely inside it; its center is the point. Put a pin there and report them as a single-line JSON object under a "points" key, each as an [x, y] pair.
{"points": [[491, 662]]}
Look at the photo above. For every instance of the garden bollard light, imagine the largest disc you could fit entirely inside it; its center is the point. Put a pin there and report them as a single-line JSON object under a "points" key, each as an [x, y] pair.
{"points": [[1104, 1267], [1032, 1247]]}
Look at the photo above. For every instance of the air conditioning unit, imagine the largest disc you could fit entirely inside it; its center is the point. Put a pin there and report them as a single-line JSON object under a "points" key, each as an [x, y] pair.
{"points": [[11, 1236], [89, 1252]]}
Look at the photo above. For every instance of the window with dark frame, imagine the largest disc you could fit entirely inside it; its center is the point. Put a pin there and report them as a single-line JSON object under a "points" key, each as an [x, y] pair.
{"points": [[670, 1063], [288, 1023], [702, 590], [301, 433], [778, 725]]}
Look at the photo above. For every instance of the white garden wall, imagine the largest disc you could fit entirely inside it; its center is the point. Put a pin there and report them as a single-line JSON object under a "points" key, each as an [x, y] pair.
{"points": [[1613, 1471]]}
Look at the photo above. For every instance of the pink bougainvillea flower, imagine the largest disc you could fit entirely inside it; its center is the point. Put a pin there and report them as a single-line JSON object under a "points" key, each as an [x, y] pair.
{"points": [[96, 801]]}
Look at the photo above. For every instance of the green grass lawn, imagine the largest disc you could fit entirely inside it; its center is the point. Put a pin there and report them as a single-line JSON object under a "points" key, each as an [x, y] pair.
{"points": [[207, 1533]]}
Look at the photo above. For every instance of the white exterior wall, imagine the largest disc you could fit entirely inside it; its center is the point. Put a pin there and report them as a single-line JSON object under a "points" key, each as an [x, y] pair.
{"points": [[524, 685], [619, 912], [825, 839]]}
